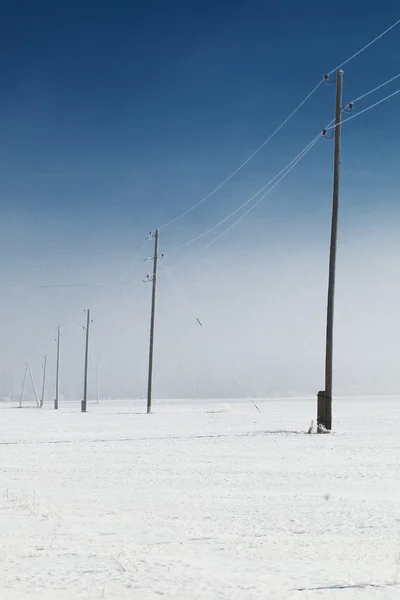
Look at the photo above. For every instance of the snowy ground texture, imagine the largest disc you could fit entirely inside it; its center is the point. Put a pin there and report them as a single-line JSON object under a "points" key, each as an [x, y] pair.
{"points": [[202, 500]]}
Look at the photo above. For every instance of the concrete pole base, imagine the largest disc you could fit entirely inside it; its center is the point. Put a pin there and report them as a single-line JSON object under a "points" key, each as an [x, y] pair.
{"points": [[324, 412]]}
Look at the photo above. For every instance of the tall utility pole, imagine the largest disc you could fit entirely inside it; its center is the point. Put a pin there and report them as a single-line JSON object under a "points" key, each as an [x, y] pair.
{"points": [[84, 401], [57, 369], [324, 411], [44, 381], [152, 323]]}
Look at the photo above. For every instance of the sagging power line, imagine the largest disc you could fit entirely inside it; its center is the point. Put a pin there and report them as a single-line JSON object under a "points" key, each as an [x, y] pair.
{"points": [[285, 172], [375, 89], [253, 206], [273, 134], [293, 162], [364, 110], [189, 210], [378, 37]]}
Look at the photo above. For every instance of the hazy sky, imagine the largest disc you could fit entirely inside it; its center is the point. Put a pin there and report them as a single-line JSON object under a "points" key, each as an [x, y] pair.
{"points": [[117, 116]]}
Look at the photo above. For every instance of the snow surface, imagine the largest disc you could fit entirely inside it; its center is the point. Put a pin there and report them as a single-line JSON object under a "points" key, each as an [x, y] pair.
{"points": [[200, 500]]}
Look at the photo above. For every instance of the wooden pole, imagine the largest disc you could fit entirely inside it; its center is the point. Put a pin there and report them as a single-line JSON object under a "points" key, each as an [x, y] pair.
{"points": [[84, 401], [23, 385], [98, 383], [152, 325], [324, 410], [44, 381], [57, 370], [33, 385]]}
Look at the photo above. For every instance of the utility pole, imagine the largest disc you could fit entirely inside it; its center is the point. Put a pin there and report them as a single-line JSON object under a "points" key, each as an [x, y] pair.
{"points": [[152, 323], [23, 385], [324, 410], [98, 383], [84, 401], [28, 371], [33, 385], [44, 380], [57, 369]]}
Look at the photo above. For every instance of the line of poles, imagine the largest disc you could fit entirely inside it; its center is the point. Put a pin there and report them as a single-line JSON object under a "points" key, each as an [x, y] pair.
{"points": [[153, 236], [28, 371], [324, 398], [89, 321]]}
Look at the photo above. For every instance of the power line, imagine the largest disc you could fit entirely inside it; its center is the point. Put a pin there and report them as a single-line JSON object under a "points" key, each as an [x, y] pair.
{"points": [[198, 237], [365, 47], [287, 171], [365, 109], [67, 285], [310, 146], [224, 181], [375, 89], [219, 186], [88, 284], [133, 262]]}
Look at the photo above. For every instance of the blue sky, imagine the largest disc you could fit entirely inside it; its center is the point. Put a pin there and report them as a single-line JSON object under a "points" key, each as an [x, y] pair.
{"points": [[123, 113], [116, 116]]}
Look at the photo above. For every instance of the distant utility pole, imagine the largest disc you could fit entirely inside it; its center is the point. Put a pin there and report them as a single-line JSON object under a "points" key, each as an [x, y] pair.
{"points": [[28, 371], [57, 369], [98, 383], [84, 401], [23, 385], [44, 380], [152, 323], [324, 410], [33, 385]]}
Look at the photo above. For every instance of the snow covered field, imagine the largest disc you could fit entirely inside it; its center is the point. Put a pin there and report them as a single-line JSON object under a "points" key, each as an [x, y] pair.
{"points": [[200, 501]]}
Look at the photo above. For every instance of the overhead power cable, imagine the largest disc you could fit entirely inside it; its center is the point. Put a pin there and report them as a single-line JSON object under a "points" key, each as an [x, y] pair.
{"points": [[68, 285], [378, 37], [224, 181], [365, 110], [134, 261], [207, 231], [219, 186], [225, 231], [305, 151], [375, 89]]}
